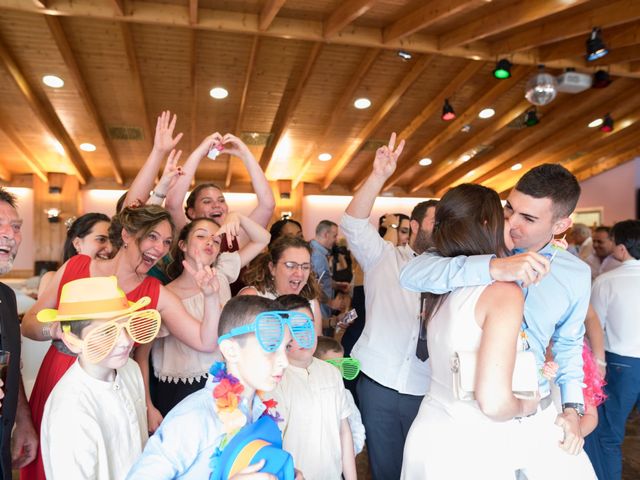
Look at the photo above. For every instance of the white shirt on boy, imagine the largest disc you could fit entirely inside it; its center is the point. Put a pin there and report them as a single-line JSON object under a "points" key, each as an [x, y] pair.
{"points": [[92, 428]]}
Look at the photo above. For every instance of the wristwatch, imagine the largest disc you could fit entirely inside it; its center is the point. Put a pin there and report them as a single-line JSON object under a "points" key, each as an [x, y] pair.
{"points": [[578, 407], [158, 194]]}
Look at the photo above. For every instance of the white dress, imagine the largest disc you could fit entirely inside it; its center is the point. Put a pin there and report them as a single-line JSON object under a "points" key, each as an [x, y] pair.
{"points": [[452, 439]]}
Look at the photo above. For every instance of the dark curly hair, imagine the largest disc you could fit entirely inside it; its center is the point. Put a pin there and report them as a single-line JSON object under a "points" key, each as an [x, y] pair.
{"points": [[259, 276]]}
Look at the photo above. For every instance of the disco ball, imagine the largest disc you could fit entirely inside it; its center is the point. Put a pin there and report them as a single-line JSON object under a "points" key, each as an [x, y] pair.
{"points": [[541, 89]]}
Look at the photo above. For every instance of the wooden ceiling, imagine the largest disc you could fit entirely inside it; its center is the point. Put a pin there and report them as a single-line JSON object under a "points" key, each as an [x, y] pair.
{"points": [[293, 69]]}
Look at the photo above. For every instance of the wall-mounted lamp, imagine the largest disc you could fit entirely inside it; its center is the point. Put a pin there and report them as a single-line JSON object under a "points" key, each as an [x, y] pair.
{"points": [[53, 215]]}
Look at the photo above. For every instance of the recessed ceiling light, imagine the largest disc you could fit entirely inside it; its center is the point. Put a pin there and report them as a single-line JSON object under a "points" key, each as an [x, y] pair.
{"points": [[362, 103], [53, 81], [219, 93], [595, 123], [88, 147], [424, 162], [516, 167], [324, 157], [466, 157], [487, 113]]}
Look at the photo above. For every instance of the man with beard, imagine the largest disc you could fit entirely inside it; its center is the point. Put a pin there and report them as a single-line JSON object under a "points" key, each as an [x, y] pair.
{"points": [[393, 379], [14, 403]]}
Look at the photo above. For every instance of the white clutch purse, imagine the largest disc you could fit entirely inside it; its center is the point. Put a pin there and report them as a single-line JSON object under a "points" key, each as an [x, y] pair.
{"points": [[525, 375]]}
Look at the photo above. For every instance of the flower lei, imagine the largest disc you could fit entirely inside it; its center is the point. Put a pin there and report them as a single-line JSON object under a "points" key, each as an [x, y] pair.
{"points": [[226, 396]]}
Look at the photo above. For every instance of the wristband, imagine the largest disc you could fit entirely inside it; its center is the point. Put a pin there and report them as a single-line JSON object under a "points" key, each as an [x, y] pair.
{"points": [[46, 331], [159, 195], [602, 363]]}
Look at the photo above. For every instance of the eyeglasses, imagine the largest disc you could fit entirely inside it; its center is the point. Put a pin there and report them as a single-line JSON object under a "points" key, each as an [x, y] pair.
{"points": [[291, 266], [142, 327], [349, 367], [269, 329]]}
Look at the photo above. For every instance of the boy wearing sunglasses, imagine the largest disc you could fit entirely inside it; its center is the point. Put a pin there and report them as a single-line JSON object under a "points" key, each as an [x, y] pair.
{"points": [[95, 421], [202, 437], [311, 399], [330, 350]]}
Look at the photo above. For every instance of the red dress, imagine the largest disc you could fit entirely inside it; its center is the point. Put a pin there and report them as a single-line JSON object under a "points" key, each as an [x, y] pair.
{"points": [[56, 363]]}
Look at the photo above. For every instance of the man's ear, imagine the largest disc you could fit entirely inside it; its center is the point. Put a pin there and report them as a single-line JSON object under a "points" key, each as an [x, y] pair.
{"points": [[562, 225], [230, 350], [71, 341], [415, 227]]}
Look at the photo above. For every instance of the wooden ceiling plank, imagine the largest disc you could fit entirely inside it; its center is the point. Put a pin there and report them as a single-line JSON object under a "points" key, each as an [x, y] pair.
{"points": [[40, 3], [433, 11], [555, 144], [610, 163], [32, 162], [453, 128], [290, 99], [346, 13], [338, 110], [118, 6], [433, 106], [64, 47], [609, 15], [166, 14], [351, 151], [268, 13], [243, 101], [634, 66], [130, 49], [512, 16], [193, 12], [620, 36], [45, 112], [442, 169]]}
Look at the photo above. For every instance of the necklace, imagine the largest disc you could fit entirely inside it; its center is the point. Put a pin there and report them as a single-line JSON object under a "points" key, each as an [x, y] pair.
{"points": [[227, 398]]}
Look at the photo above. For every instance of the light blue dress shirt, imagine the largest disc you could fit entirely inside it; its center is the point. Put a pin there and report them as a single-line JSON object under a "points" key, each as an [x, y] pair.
{"points": [[554, 309], [183, 444], [320, 264]]}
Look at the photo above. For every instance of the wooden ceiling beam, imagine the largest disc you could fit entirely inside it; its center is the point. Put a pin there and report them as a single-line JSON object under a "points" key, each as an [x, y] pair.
{"points": [[431, 108], [634, 66], [193, 12], [30, 159], [486, 98], [132, 59], [607, 164], [170, 15], [269, 11], [339, 109], [512, 16], [608, 15], [620, 36], [243, 102], [40, 3], [118, 6], [562, 142], [352, 149], [346, 13], [444, 169], [64, 47], [433, 11], [561, 112], [290, 100], [45, 112]]}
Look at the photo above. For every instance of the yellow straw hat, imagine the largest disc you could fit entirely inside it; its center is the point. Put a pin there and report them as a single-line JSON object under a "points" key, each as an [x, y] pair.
{"points": [[91, 298]]}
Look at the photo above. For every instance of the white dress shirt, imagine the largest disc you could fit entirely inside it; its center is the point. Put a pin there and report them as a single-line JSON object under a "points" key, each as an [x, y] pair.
{"points": [[387, 347], [92, 428], [614, 297]]}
